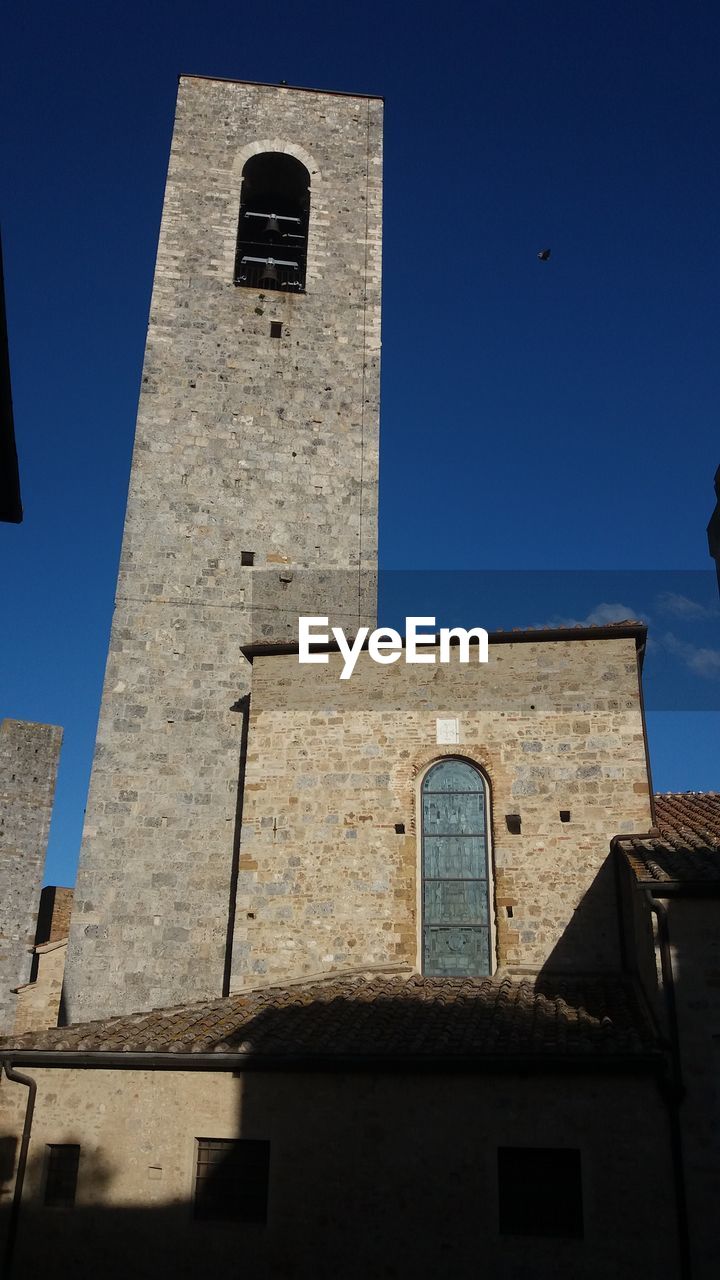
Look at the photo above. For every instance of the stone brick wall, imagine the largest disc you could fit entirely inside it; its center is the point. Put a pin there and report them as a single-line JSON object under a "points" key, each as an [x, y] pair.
{"points": [[244, 443], [29, 756], [403, 1183], [54, 915], [38, 1002], [325, 880]]}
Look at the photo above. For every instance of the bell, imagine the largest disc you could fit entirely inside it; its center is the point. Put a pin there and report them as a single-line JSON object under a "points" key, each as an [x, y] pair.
{"points": [[270, 274], [272, 226]]}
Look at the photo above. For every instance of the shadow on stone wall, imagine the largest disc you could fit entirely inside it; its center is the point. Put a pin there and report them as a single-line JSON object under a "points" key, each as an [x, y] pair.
{"points": [[590, 942], [242, 708], [8, 1153], [373, 1173]]}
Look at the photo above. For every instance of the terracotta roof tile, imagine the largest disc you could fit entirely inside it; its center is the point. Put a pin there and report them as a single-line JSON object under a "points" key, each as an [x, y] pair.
{"points": [[686, 847], [385, 1017]]}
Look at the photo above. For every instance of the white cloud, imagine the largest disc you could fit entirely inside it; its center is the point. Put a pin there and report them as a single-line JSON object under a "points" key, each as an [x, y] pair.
{"points": [[702, 662], [679, 606]]}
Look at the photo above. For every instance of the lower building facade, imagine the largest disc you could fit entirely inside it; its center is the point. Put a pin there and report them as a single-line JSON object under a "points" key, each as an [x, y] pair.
{"points": [[521, 1137]]}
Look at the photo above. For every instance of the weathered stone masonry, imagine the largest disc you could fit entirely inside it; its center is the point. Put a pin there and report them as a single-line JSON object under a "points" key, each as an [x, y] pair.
{"points": [[244, 443], [326, 882], [29, 756], [39, 1000]]}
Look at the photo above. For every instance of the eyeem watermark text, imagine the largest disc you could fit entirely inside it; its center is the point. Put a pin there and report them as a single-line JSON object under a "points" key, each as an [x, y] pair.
{"points": [[386, 645]]}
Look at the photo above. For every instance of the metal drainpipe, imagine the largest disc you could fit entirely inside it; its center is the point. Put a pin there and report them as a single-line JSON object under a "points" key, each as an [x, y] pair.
{"points": [[31, 1085], [676, 1092]]}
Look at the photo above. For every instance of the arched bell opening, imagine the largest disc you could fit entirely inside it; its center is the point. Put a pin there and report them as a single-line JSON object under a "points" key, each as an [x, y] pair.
{"points": [[273, 225]]}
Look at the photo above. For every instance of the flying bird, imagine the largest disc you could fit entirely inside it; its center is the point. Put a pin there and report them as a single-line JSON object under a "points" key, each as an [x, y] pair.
{"points": [[544, 254]]}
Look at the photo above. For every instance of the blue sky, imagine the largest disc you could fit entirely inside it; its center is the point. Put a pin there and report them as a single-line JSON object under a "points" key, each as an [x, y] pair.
{"points": [[557, 417]]}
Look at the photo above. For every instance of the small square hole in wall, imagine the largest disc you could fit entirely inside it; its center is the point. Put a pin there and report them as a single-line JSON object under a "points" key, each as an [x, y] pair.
{"points": [[399, 828], [514, 823], [276, 328], [247, 558], [540, 1192], [564, 815]]}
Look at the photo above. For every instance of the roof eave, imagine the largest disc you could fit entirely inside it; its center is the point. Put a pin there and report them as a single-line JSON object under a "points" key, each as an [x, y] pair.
{"points": [[280, 84], [590, 1063], [618, 631], [679, 888]]}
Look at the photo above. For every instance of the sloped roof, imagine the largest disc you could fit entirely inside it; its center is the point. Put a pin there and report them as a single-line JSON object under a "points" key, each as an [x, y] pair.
{"points": [[685, 847], [382, 1017]]}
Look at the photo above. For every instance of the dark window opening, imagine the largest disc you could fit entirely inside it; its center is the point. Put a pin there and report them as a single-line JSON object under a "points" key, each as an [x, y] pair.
{"points": [[247, 558], [399, 828], [8, 1149], [273, 227], [540, 1191], [276, 328], [61, 1175], [231, 1180], [564, 815], [513, 822]]}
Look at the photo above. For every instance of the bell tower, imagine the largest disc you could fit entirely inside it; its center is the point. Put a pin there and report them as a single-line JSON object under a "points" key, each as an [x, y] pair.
{"points": [[253, 497]]}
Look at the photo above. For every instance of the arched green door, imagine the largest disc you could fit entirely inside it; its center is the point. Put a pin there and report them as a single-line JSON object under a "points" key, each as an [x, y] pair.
{"points": [[455, 895]]}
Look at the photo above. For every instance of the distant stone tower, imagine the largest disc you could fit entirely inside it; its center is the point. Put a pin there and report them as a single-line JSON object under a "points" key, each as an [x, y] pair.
{"points": [[29, 756], [256, 458], [714, 528]]}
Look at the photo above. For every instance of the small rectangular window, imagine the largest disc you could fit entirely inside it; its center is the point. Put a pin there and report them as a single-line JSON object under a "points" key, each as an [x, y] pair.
{"points": [[231, 1179], [540, 1191], [247, 558], [276, 328], [61, 1175]]}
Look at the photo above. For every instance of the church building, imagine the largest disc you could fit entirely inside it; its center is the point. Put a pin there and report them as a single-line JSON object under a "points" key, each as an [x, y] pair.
{"points": [[403, 975]]}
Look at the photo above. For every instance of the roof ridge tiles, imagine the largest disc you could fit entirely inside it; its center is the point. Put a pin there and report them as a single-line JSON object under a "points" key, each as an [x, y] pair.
{"points": [[384, 1016]]}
